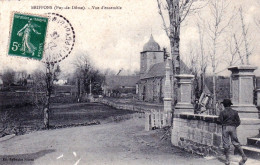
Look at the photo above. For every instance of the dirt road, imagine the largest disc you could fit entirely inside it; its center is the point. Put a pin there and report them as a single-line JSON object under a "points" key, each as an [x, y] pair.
{"points": [[120, 143]]}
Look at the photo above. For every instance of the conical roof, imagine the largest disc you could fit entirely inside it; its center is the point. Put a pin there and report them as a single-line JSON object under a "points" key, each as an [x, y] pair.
{"points": [[151, 45]]}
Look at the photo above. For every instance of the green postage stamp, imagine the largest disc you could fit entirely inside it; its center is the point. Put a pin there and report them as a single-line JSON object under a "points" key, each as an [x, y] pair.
{"points": [[27, 35]]}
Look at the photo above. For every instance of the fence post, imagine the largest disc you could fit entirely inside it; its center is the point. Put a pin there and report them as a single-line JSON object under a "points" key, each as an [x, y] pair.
{"points": [[147, 121]]}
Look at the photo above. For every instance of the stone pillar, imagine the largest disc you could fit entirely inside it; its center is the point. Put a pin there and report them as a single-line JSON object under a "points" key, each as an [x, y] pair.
{"points": [[242, 90], [184, 93], [167, 100]]}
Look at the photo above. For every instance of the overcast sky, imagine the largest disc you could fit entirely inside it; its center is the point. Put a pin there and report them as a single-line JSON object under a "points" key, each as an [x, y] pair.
{"points": [[114, 38]]}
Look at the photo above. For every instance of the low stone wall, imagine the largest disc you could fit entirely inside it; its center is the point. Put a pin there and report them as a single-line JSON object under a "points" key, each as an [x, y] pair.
{"points": [[154, 114], [129, 106], [198, 134]]}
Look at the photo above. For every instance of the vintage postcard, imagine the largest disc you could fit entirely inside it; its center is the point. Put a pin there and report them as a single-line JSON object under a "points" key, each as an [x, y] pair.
{"points": [[128, 82]]}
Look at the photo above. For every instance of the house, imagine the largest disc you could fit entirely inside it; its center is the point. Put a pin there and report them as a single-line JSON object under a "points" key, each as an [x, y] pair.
{"points": [[117, 86]]}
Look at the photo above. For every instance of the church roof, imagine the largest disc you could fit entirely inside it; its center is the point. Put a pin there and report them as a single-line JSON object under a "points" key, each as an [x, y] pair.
{"points": [[119, 81], [158, 70], [151, 45]]}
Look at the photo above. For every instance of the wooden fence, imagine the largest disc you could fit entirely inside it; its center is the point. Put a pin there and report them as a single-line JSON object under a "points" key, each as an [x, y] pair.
{"points": [[157, 119]]}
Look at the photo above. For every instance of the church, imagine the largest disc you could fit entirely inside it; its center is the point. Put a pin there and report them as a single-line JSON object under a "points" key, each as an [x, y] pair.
{"points": [[152, 72]]}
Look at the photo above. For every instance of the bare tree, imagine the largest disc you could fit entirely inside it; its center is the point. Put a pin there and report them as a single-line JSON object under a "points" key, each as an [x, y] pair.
{"points": [[49, 78], [217, 25], [4, 122], [203, 57], [177, 11], [192, 62], [8, 77], [83, 74], [234, 48], [257, 19], [257, 22], [248, 52], [46, 82], [38, 88], [22, 75], [41, 91], [239, 47]]}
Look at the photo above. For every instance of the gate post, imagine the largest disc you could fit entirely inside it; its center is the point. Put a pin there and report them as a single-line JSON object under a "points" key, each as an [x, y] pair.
{"points": [[242, 90]]}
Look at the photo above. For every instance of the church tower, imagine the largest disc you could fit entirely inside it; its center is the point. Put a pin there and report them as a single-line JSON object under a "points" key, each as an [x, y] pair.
{"points": [[150, 55]]}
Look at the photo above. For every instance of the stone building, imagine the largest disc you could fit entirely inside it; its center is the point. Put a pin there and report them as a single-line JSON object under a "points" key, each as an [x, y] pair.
{"points": [[152, 72], [119, 86]]}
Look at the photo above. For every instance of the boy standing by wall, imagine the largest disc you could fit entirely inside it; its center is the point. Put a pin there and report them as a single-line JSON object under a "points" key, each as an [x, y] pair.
{"points": [[230, 120]]}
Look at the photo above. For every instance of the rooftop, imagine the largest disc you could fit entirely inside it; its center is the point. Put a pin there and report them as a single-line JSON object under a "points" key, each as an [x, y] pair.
{"points": [[151, 45], [158, 70], [118, 81]]}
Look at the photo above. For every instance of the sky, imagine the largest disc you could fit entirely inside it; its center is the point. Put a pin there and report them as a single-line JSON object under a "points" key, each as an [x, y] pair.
{"points": [[114, 38]]}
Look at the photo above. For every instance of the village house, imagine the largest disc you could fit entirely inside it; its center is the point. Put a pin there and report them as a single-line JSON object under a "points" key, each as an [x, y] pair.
{"points": [[120, 86]]}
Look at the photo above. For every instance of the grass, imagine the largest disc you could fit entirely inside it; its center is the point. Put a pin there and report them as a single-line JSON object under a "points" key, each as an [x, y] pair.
{"points": [[82, 113], [25, 119]]}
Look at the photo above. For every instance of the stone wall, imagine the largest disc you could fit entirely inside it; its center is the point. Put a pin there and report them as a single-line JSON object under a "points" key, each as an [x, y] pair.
{"points": [[198, 134], [131, 106], [154, 114], [151, 90]]}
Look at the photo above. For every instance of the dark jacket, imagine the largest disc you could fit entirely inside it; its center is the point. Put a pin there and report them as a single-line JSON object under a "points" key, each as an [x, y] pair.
{"points": [[229, 117]]}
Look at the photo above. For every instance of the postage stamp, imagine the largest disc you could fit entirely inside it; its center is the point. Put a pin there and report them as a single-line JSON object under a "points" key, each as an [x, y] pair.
{"points": [[27, 37]]}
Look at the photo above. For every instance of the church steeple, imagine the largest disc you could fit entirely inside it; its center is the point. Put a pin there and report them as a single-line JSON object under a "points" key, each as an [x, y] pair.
{"points": [[151, 45]]}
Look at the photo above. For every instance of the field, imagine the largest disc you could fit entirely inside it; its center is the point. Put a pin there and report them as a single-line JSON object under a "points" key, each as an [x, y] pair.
{"points": [[20, 120]]}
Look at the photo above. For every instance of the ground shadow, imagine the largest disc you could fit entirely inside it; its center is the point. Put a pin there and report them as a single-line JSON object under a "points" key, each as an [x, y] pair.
{"points": [[23, 158]]}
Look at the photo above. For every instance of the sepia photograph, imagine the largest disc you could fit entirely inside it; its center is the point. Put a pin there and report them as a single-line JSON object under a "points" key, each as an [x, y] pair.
{"points": [[129, 82]]}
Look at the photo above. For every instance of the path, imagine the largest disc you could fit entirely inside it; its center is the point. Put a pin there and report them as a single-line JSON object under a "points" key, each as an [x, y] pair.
{"points": [[120, 143]]}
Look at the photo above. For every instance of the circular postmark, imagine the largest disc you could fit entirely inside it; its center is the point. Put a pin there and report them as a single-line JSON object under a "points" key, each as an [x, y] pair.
{"points": [[60, 39]]}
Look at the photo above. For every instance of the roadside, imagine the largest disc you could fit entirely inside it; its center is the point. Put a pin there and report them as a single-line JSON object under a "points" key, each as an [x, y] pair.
{"points": [[25, 119], [125, 142]]}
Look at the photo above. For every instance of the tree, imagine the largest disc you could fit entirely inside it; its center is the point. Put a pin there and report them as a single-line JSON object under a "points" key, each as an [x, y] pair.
{"points": [[197, 59], [234, 50], [89, 79], [193, 63], [248, 52], [38, 89], [177, 10], [43, 87], [257, 19], [50, 69], [97, 80], [8, 77], [84, 72], [239, 47], [22, 75], [203, 62], [217, 24]]}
